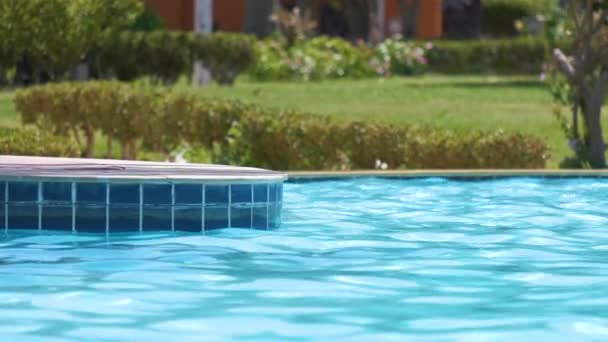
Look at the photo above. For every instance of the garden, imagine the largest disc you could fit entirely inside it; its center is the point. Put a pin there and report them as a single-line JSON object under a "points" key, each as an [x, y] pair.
{"points": [[289, 101]]}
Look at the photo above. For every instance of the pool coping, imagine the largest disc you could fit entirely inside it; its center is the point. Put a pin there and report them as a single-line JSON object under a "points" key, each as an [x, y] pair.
{"points": [[447, 173], [27, 168]]}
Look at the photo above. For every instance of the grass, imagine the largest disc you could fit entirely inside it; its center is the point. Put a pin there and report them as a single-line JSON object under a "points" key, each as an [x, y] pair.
{"points": [[518, 103], [8, 115]]}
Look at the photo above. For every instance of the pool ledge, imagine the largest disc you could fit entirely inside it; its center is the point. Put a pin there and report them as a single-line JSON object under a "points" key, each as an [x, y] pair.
{"points": [[76, 169], [475, 173], [113, 196]]}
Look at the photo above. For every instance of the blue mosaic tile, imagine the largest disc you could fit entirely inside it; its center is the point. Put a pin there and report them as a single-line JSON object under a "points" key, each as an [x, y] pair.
{"points": [[57, 217], [156, 218], [2, 217], [57, 192], [260, 193], [22, 216], [274, 215], [188, 194], [188, 219], [22, 191], [216, 218], [2, 191], [124, 219], [260, 218], [91, 219], [91, 193], [216, 195], [240, 193], [157, 194], [240, 217], [124, 194], [124, 215], [273, 192]]}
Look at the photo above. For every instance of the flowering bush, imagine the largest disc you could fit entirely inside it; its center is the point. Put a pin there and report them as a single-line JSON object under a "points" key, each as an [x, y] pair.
{"points": [[329, 58], [397, 57], [315, 59], [271, 61]]}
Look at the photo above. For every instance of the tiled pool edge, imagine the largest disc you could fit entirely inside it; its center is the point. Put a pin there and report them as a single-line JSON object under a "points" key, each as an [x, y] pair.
{"points": [[489, 174], [109, 207], [109, 196]]}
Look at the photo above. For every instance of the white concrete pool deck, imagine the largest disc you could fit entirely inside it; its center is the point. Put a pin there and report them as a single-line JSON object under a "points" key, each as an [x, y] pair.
{"points": [[23, 167]]}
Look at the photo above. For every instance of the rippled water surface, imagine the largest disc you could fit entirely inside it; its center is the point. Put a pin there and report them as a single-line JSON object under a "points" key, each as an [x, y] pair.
{"points": [[365, 259]]}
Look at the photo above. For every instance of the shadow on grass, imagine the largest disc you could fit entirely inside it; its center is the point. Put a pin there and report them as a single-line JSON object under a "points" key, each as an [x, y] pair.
{"points": [[487, 84]]}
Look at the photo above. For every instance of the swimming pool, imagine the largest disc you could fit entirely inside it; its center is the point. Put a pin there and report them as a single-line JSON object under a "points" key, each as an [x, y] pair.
{"points": [[359, 259]]}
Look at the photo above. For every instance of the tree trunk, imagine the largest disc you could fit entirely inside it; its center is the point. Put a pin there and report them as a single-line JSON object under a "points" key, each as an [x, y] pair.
{"points": [[594, 140], [124, 150], [257, 17], [90, 142], [132, 149], [109, 147]]}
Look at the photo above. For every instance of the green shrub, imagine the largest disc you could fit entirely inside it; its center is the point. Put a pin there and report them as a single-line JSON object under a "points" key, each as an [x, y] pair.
{"points": [[225, 54], [163, 120], [167, 55], [329, 58], [79, 110], [510, 56], [396, 57], [43, 39], [314, 59], [147, 20], [34, 142], [499, 16]]}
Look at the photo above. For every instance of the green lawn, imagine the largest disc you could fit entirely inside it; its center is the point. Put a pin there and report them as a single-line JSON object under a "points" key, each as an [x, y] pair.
{"points": [[8, 116], [519, 103]]}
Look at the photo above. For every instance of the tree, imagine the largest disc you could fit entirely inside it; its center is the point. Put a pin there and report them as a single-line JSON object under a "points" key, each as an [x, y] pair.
{"points": [[96, 22], [43, 39], [32, 37], [586, 73]]}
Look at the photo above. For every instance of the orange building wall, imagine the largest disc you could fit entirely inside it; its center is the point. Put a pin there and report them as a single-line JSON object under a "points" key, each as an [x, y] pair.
{"points": [[176, 14], [430, 23], [229, 15], [429, 17]]}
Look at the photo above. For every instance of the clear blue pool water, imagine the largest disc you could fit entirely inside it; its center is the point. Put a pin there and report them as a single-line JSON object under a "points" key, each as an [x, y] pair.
{"points": [[361, 260]]}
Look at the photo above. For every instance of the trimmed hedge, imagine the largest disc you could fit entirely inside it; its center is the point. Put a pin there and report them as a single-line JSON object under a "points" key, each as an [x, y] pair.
{"points": [[162, 120], [167, 55], [524, 55], [34, 142]]}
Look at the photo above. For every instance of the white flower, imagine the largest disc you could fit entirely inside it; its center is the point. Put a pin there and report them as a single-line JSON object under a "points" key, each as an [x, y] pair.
{"points": [[381, 165]]}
